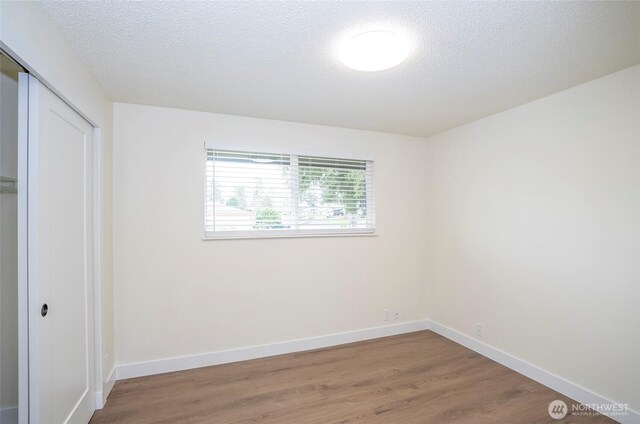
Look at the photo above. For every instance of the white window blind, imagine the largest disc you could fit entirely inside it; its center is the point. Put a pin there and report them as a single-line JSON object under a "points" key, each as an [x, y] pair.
{"points": [[253, 194]]}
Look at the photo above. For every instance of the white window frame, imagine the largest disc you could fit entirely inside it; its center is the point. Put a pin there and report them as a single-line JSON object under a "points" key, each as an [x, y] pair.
{"points": [[294, 233]]}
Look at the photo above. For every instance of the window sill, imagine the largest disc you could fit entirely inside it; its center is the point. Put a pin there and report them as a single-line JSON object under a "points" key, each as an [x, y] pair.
{"points": [[285, 234]]}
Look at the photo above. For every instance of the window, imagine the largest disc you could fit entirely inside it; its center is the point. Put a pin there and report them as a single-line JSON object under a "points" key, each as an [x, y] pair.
{"points": [[251, 194]]}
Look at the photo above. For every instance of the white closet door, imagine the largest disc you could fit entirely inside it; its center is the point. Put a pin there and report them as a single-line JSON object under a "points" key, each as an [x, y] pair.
{"points": [[61, 351]]}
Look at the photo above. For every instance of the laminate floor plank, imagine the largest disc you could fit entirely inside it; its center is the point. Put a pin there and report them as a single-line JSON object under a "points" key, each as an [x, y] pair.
{"points": [[412, 378]]}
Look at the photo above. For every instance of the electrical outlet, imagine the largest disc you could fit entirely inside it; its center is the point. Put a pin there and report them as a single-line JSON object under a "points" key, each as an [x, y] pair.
{"points": [[479, 329], [387, 315], [396, 315]]}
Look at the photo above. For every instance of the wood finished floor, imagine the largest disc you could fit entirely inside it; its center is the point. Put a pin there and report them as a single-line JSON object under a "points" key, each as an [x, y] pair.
{"points": [[412, 378]]}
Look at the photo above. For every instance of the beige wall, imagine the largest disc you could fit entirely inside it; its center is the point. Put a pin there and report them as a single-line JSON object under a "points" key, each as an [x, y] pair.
{"points": [[534, 231], [179, 295], [525, 221], [31, 38]]}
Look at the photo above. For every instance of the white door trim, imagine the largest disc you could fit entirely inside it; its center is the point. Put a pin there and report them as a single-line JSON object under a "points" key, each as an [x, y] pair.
{"points": [[23, 294], [32, 243], [97, 267]]}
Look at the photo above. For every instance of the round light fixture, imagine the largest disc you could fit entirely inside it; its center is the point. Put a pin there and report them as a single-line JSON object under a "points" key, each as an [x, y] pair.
{"points": [[374, 51]]}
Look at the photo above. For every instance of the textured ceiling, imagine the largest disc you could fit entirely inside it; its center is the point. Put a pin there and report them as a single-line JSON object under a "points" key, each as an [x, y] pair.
{"points": [[277, 59]]}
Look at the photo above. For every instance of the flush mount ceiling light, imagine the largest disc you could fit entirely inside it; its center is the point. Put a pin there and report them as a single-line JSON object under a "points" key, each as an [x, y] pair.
{"points": [[374, 51]]}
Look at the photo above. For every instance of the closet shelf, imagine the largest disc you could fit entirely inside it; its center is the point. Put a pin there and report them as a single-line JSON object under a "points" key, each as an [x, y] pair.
{"points": [[8, 185]]}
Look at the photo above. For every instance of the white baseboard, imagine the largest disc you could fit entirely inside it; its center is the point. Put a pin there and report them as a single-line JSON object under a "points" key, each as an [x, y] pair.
{"points": [[9, 415], [535, 373], [102, 395], [242, 354], [538, 374]]}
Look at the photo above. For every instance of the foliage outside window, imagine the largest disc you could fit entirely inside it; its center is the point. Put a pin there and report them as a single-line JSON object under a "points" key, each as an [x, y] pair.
{"points": [[250, 194]]}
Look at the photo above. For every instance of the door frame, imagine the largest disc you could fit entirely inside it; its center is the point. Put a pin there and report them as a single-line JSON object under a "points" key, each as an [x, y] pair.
{"points": [[23, 281], [24, 292]]}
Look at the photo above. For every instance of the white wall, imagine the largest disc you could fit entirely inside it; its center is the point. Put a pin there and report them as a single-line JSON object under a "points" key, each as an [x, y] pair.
{"points": [[27, 34], [534, 231], [176, 294]]}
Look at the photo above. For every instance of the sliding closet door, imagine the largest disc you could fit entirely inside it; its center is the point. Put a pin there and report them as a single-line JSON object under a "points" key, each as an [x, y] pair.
{"points": [[61, 362]]}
